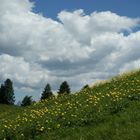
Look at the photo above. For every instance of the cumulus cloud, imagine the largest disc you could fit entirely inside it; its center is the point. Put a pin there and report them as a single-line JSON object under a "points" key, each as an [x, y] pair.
{"points": [[78, 48], [84, 27], [24, 72]]}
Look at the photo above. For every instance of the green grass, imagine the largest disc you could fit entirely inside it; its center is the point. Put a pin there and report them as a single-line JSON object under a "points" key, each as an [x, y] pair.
{"points": [[121, 126], [109, 110], [6, 111]]}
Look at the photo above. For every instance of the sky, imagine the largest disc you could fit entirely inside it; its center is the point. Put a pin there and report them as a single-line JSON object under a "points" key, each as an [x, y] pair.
{"points": [[51, 8], [80, 41]]}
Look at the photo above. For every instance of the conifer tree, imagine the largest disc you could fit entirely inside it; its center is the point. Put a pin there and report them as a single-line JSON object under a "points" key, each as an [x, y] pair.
{"points": [[7, 93], [64, 88], [27, 100], [47, 93], [2, 94]]}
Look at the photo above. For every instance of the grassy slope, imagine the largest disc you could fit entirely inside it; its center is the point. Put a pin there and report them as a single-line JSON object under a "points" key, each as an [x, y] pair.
{"points": [[6, 111], [109, 110], [124, 125]]}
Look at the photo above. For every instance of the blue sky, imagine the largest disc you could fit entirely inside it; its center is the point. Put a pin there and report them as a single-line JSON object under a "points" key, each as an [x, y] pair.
{"points": [[51, 8]]}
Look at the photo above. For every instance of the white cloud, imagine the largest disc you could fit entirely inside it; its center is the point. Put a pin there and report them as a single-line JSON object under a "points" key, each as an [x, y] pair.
{"points": [[111, 22], [79, 48], [84, 27], [15, 6], [43, 37], [130, 66], [21, 71]]}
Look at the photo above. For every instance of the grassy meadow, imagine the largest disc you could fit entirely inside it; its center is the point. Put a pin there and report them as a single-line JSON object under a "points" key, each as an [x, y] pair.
{"points": [[109, 110]]}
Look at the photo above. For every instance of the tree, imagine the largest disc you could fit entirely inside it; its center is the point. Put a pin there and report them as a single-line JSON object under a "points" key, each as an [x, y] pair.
{"points": [[64, 88], [7, 93], [47, 93], [2, 94], [27, 100]]}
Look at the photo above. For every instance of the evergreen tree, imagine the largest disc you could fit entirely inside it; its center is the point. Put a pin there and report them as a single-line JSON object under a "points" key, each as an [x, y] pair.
{"points": [[47, 93], [64, 88], [7, 93], [27, 100], [2, 94]]}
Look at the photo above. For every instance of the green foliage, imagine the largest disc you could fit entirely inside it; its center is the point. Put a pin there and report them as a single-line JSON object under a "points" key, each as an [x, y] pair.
{"points": [[7, 93], [47, 93], [64, 88], [108, 110], [27, 101]]}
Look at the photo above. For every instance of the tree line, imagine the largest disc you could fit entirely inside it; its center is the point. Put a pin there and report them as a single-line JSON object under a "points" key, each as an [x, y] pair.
{"points": [[7, 93]]}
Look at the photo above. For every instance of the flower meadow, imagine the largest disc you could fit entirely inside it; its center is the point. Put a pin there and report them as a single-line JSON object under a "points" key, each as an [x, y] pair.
{"points": [[90, 106]]}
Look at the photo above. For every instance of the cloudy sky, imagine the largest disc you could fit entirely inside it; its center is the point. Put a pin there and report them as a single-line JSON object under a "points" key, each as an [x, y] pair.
{"points": [[49, 42]]}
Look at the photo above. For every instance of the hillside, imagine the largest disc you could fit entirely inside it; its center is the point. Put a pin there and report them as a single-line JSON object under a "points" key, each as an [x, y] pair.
{"points": [[108, 110]]}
